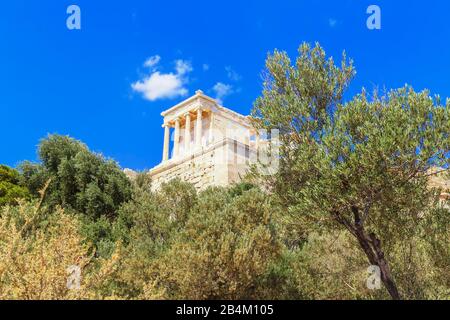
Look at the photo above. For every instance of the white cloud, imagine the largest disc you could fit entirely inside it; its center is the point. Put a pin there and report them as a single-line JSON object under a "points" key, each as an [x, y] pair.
{"points": [[159, 85], [222, 90], [332, 22], [152, 61], [232, 75], [183, 67]]}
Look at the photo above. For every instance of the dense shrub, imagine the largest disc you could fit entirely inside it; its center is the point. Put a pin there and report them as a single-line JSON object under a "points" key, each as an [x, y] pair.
{"points": [[36, 254], [11, 189], [81, 180]]}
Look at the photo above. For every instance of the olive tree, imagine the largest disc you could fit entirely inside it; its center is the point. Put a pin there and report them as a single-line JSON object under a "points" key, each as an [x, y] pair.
{"points": [[363, 165]]}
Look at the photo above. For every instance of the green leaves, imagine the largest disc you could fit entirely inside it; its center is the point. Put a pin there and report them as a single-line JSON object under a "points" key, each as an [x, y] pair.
{"points": [[11, 189], [225, 249], [81, 180], [296, 99], [217, 244], [364, 164]]}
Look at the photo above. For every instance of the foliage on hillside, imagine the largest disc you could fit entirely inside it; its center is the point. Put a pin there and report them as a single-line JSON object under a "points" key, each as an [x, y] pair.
{"points": [[362, 166], [36, 252], [353, 190], [214, 245], [11, 189], [222, 243], [82, 181]]}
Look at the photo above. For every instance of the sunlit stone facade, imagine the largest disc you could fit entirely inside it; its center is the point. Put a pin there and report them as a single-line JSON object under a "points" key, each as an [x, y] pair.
{"points": [[204, 144]]}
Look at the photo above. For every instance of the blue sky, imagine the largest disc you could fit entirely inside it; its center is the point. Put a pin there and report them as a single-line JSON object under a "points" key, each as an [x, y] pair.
{"points": [[107, 83]]}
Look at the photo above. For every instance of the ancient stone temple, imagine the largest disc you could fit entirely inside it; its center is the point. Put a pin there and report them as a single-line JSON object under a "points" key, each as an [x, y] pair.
{"points": [[205, 144]]}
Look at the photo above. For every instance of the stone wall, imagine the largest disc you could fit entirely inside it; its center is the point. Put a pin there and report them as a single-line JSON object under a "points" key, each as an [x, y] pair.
{"points": [[219, 164]]}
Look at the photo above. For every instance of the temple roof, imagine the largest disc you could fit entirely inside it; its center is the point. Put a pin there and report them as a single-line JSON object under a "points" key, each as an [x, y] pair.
{"points": [[203, 101], [198, 95]]}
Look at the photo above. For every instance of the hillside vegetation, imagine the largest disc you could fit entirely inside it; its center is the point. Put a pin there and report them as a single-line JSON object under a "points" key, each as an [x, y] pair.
{"points": [[357, 186]]}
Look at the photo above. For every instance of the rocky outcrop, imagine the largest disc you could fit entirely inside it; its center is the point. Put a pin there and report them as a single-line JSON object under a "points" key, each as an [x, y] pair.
{"points": [[131, 174], [441, 179]]}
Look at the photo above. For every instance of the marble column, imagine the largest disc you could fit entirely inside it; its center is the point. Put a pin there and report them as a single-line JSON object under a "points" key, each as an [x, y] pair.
{"points": [[187, 134], [198, 135], [211, 128], [176, 142], [166, 142], [257, 139]]}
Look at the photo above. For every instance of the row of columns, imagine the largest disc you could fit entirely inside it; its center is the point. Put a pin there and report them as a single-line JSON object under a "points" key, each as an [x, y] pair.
{"points": [[187, 134]]}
